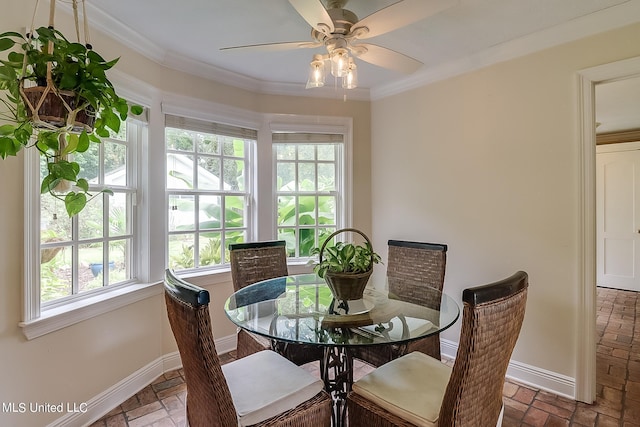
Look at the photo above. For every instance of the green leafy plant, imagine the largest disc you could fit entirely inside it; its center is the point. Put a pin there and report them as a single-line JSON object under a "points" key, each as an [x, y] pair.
{"points": [[74, 73], [345, 258]]}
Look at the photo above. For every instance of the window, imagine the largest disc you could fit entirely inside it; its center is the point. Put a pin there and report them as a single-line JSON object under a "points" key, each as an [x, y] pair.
{"points": [[96, 248], [220, 187], [308, 188], [208, 190]]}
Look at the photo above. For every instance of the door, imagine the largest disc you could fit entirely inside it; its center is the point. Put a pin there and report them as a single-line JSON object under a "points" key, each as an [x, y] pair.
{"points": [[618, 217]]}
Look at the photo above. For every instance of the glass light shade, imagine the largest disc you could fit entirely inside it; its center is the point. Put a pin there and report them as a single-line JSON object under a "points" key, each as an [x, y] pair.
{"points": [[316, 73], [339, 62], [350, 79]]}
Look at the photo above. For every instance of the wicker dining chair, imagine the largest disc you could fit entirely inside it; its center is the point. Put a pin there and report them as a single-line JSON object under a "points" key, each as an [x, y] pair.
{"points": [[417, 389], [263, 389], [410, 267], [251, 263]]}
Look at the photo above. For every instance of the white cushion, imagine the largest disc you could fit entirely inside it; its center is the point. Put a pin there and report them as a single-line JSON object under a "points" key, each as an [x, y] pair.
{"points": [[411, 387], [266, 384]]}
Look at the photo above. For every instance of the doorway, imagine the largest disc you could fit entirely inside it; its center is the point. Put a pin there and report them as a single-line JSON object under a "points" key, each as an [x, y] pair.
{"points": [[585, 381]]}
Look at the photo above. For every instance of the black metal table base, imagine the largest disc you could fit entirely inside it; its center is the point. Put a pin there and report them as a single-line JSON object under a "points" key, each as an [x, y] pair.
{"points": [[336, 370]]}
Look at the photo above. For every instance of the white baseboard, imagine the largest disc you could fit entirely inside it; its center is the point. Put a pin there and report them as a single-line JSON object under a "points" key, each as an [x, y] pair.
{"points": [[530, 375], [101, 404]]}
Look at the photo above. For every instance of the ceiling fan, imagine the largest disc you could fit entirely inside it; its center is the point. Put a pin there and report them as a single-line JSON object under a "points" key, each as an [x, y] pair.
{"points": [[339, 30]]}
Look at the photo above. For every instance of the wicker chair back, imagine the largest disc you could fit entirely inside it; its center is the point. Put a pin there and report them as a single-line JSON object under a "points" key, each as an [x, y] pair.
{"points": [[410, 267], [209, 401], [491, 321], [256, 261], [251, 263]]}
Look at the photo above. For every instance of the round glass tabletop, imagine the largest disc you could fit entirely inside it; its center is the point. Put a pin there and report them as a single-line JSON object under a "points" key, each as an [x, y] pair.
{"points": [[301, 308]]}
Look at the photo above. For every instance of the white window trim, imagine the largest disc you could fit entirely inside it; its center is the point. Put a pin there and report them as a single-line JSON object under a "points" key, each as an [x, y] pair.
{"points": [[37, 321], [311, 124], [74, 312]]}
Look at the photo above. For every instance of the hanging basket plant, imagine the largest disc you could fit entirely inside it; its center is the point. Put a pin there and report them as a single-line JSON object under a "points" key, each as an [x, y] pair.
{"points": [[57, 99]]}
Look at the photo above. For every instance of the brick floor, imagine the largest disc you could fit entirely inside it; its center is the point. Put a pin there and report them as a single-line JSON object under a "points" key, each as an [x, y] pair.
{"points": [[618, 383]]}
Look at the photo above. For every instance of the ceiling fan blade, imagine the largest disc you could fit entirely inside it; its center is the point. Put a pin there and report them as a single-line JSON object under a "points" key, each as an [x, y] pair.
{"points": [[398, 15], [272, 47], [387, 58], [315, 14]]}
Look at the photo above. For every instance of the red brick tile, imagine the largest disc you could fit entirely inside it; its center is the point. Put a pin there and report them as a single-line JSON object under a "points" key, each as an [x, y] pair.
{"points": [[172, 404], [116, 421], [513, 413], [535, 417], [130, 403], [509, 389], [143, 410], [632, 389], [554, 421], [552, 409], [524, 395], [585, 416], [172, 390], [519, 406], [606, 421], [148, 419], [612, 394], [167, 383], [147, 395]]}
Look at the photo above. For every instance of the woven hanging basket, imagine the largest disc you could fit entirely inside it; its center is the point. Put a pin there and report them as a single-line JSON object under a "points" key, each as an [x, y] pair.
{"points": [[347, 286], [49, 109]]}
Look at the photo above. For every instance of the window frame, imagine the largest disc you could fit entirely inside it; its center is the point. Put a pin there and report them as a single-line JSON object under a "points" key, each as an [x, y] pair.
{"points": [[320, 125], [41, 318], [152, 199], [249, 167], [337, 192]]}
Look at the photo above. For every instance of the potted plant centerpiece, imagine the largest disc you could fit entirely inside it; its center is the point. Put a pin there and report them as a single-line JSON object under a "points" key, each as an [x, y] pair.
{"points": [[346, 267], [57, 99]]}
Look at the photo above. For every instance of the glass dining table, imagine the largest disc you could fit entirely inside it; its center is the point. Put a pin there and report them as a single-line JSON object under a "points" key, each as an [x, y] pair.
{"points": [[301, 309]]}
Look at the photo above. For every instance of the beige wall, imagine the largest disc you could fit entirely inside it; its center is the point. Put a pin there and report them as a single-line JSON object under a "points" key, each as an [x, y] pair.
{"points": [[79, 362], [489, 163]]}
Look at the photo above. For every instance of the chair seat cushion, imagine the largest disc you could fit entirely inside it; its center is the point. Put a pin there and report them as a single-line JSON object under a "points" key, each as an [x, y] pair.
{"points": [[265, 384], [411, 387]]}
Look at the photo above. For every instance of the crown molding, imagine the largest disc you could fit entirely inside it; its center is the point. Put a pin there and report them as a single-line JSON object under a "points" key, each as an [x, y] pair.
{"points": [[605, 20], [176, 61], [121, 33], [632, 135], [598, 22], [179, 62]]}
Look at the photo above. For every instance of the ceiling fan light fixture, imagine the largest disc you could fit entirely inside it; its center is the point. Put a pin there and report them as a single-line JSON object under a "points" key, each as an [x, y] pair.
{"points": [[339, 61], [350, 79], [316, 72]]}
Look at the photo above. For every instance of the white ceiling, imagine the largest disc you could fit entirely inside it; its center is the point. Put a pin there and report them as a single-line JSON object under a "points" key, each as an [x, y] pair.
{"points": [[188, 35], [618, 105]]}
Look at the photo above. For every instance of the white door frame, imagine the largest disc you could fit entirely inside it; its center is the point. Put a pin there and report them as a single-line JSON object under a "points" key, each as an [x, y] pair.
{"points": [[586, 321]]}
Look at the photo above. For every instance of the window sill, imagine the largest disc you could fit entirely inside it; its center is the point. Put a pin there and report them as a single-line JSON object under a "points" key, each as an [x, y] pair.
{"points": [[69, 314]]}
